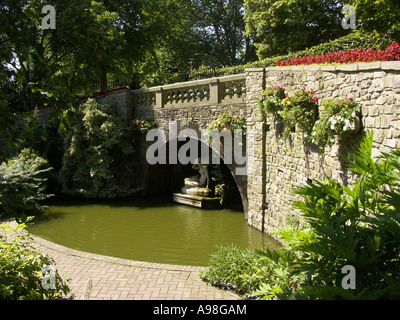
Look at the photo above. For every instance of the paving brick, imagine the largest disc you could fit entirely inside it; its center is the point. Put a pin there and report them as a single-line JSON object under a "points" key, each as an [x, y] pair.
{"points": [[122, 279]]}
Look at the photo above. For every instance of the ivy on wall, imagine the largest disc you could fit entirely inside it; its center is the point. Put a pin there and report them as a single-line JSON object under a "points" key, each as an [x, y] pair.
{"points": [[98, 160]]}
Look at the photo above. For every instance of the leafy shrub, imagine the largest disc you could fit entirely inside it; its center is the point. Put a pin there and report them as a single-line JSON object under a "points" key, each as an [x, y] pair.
{"points": [[355, 40], [21, 268], [22, 184], [44, 140], [235, 269], [357, 225], [98, 158]]}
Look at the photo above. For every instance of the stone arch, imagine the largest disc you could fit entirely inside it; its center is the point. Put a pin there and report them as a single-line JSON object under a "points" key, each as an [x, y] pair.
{"points": [[170, 175]]}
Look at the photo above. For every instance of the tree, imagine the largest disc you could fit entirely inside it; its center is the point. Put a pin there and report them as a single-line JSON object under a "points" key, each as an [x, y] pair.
{"points": [[284, 26], [381, 16], [98, 157], [86, 46], [172, 43], [223, 26]]}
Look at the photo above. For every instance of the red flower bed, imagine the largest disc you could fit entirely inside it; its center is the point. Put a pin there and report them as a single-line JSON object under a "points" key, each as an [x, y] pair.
{"points": [[350, 56]]}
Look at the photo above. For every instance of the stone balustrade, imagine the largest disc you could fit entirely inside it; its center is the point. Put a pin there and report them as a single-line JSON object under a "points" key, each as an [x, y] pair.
{"points": [[228, 89]]}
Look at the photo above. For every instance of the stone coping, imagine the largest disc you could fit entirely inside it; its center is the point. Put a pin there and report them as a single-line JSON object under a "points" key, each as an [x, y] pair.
{"points": [[193, 83], [362, 66]]}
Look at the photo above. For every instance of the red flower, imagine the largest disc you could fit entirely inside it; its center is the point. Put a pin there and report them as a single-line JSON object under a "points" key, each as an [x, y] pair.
{"points": [[349, 56]]}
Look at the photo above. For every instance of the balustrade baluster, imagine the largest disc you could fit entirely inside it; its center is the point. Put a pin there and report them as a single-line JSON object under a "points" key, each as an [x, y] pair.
{"points": [[228, 90], [237, 89]]}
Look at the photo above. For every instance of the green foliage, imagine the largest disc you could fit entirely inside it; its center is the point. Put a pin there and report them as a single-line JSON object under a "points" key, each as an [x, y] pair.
{"points": [[298, 110], [143, 125], [223, 187], [379, 16], [227, 122], [22, 184], [21, 267], [98, 159], [240, 270], [285, 26], [271, 101], [223, 32], [339, 117], [357, 225], [301, 110], [357, 39]]}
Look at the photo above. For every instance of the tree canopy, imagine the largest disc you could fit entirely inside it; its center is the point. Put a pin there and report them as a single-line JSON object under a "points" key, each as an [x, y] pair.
{"points": [[381, 16], [284, 26], [153, 42]]}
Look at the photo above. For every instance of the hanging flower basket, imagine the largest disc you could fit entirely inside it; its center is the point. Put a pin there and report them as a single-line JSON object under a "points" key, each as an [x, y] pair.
{"points": [[340, 117]]}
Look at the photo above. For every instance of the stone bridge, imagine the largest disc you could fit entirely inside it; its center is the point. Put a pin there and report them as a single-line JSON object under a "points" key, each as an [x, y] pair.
{"points": [[193, 105], [274, 165]]}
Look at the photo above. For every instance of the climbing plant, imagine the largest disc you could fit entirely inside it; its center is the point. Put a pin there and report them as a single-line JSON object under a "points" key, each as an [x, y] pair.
{"points": [[99, 151]]}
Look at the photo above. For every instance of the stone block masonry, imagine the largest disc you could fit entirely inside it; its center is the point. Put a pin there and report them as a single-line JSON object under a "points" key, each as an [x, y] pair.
{"points": [[286, 164]]}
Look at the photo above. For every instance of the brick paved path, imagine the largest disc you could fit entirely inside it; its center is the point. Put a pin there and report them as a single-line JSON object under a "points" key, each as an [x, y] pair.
{"points": [[122, 279]]}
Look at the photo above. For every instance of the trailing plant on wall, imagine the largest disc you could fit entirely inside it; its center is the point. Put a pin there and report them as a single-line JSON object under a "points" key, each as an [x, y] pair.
{"points": [[143, 125], [340, 117], [298, 110], [301, 110], [225, 122], [271, 101], [98, 158]]}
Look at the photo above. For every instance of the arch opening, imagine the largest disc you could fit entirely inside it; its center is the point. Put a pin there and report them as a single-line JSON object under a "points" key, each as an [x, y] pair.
{"points": [[168, 178]]}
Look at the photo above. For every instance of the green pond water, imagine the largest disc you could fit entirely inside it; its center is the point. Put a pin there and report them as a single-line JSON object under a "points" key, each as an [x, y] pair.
{"points": [[151, 229]]}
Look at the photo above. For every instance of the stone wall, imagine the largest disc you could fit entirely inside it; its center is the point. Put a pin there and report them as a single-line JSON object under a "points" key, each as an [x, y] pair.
{"points": [[123, 100], [280, 164], [121, 97]]}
